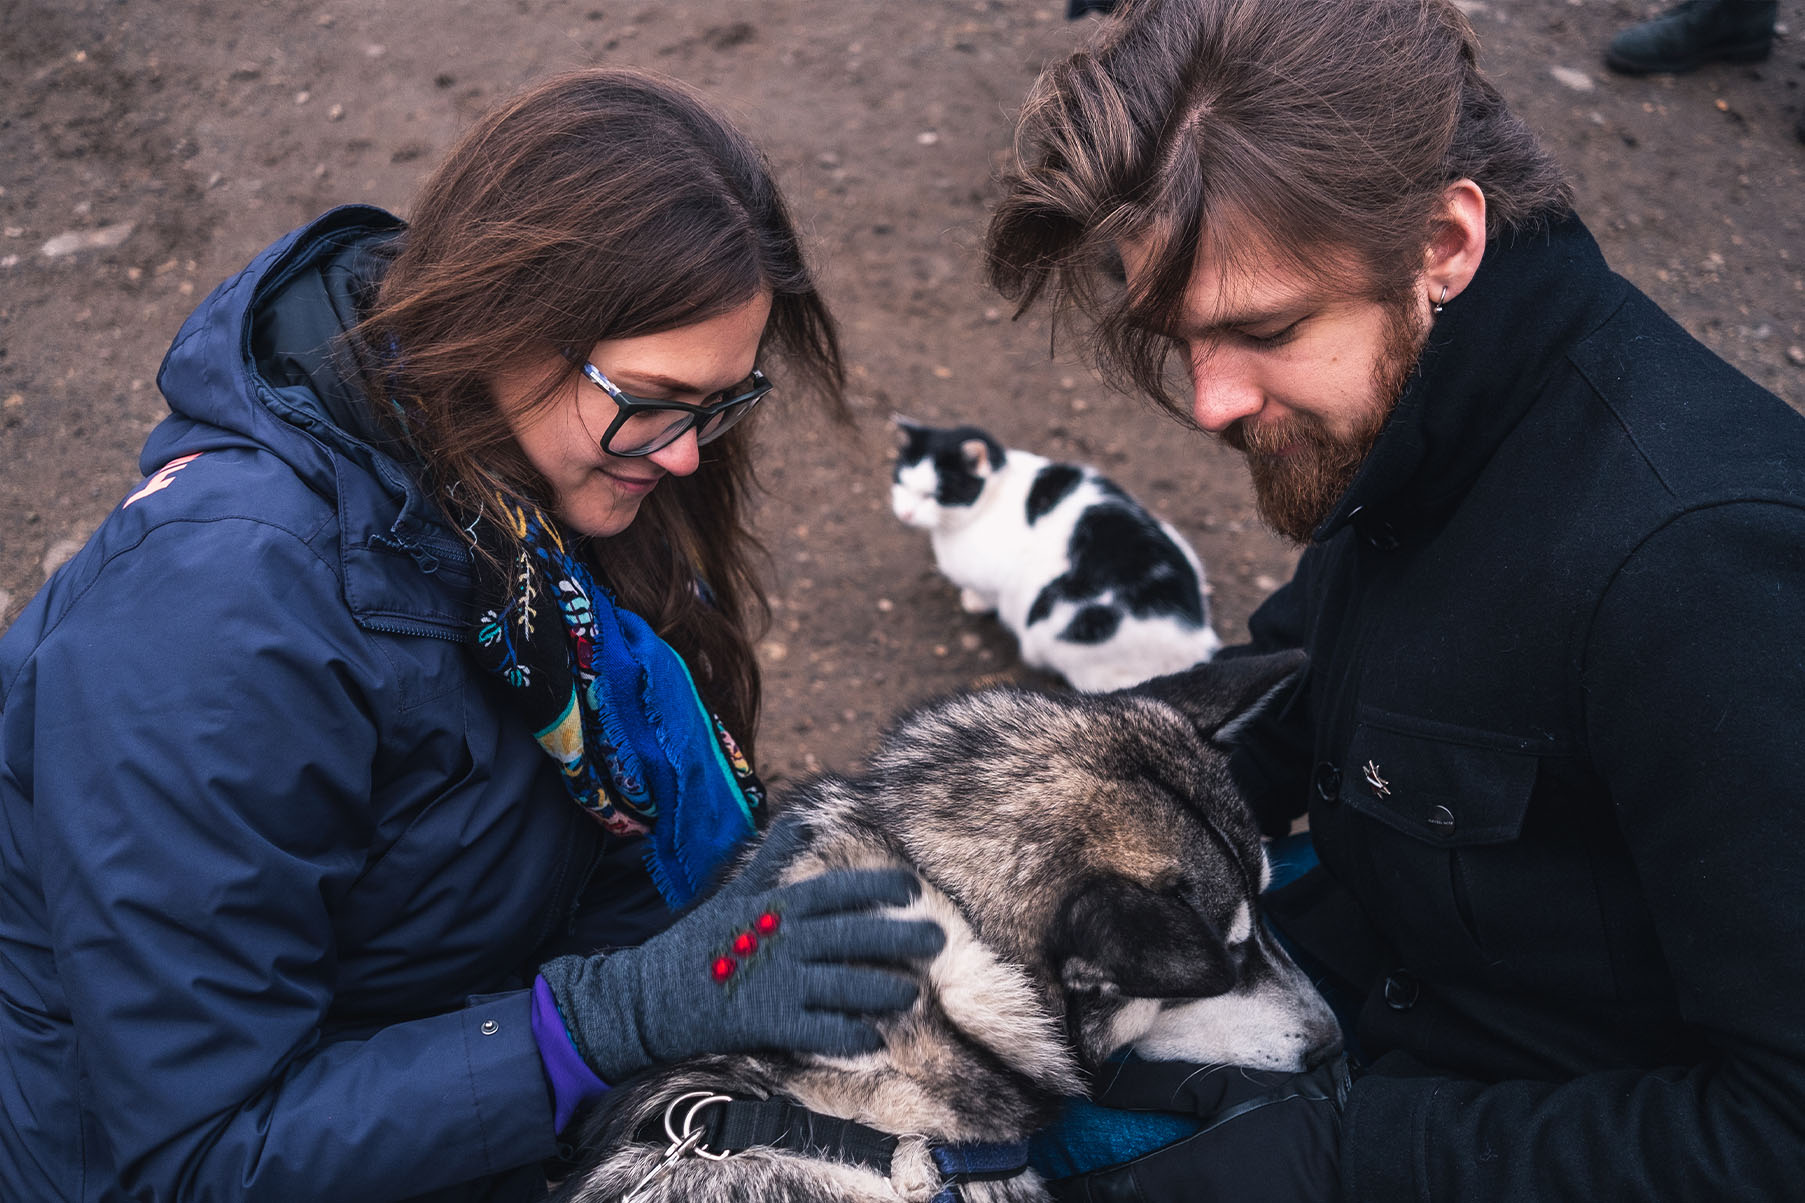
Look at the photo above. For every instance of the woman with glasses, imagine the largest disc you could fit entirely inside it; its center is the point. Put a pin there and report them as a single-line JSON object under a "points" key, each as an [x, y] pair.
{"points": [[364, 780]]}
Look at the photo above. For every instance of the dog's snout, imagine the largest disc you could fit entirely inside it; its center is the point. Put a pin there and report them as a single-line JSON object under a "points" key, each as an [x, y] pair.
{"points": [[1322, 1052]]}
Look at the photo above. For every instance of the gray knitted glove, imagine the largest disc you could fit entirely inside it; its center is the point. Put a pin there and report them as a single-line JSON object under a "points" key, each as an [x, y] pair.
{"points": [[793, 969]]}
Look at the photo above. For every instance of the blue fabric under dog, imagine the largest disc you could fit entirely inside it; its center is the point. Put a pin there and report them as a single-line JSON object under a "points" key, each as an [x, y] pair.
{"points": [[1088, 1137]]}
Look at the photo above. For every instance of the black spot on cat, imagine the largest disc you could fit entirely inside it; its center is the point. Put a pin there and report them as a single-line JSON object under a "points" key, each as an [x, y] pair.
{"points": [[1052, 485], [956, 483], [1120, 550], [1092, 624], [1110, 488]]}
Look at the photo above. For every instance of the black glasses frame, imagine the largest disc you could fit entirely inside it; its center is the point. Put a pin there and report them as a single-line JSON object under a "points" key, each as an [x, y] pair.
{"points": [[694, 416]]}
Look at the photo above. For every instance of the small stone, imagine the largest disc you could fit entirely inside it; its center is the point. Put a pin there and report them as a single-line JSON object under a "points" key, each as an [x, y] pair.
{"points": [[375, 50], [940, 649], [993, 314], [1796, 356], [105, 238], [775, 652], [6, 599], [885, 605], [303, 97], [927, 137], [60, 553], [15, 401], [324, 20], [1265, 584], [9, 261], [336, 113], [943, 372], [1579, 81], [14, 231]]}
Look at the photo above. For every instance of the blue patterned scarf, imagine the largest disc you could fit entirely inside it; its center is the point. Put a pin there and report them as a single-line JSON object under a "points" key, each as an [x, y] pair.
{"points": [[613, 704]]}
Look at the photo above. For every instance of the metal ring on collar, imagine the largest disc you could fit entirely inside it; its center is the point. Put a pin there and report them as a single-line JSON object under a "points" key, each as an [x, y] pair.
{"points": [[703, 1099]]}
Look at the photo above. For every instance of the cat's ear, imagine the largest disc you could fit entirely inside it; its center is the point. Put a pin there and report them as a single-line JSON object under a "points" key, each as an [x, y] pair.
{"points": [[907, 431], [976, 456]]}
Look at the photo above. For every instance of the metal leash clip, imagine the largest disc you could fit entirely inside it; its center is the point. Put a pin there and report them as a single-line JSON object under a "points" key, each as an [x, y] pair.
{"points": [[682, 1143]]}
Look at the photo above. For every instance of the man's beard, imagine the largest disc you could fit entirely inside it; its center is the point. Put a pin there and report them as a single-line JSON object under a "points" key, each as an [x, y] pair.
{"points": [[1295, 492]]}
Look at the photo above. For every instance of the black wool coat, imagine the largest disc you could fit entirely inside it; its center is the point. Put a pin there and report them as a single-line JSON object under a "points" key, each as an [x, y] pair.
{"points": [[1552, 749]]}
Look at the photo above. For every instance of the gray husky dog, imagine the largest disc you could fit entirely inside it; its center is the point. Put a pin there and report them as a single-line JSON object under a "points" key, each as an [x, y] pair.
{"points": [[1097, 876]]}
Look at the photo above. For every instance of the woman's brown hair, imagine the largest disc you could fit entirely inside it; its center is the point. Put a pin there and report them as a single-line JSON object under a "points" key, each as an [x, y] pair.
{"points": [[1317, 135], [602, 204]]}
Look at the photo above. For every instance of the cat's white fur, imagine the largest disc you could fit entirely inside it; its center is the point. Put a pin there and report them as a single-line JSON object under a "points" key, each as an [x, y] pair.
{"points": [[1001, 563]]}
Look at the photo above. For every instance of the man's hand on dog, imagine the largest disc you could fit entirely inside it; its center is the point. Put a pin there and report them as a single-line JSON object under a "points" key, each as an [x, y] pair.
{"points": [[1265, 1136]]}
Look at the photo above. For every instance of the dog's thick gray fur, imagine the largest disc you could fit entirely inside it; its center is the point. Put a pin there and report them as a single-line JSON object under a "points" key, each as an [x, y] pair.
{"points": [[1097, 876]]}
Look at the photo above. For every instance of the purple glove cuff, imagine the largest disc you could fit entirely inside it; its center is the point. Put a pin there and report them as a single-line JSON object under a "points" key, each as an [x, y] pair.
{"points": [[573, 1082]]}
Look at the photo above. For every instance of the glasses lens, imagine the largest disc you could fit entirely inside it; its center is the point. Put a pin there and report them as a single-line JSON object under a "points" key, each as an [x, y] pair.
{"points": [[749, 395], [648, 430], [718, 425]]}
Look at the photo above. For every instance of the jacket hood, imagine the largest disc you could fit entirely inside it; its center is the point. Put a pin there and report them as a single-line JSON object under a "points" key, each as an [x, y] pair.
{"points": [[258, 366], [1533, 298]]}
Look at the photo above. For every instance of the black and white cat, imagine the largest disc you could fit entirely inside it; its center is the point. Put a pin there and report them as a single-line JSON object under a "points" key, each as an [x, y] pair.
{"points": [[1093, 586]]}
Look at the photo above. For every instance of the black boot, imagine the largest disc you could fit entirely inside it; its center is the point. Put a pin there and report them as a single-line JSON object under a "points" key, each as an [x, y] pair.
{"points": [[1693, 34]]}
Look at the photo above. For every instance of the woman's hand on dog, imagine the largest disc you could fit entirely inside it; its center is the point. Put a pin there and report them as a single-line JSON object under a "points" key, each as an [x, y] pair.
{"points": [[799, 968]]}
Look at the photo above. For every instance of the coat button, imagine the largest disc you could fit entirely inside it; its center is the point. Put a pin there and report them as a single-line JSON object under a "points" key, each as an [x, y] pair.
{"points": [[1401, 990], [1441, 821], [1328, 782], [1382, 536], [489, 1028]]}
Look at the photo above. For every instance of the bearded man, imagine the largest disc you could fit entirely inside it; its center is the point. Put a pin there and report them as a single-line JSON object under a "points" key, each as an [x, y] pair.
{"points": [[1550, 741]]}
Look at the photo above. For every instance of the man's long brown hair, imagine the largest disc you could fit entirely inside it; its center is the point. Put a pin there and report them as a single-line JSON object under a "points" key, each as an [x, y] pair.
{"points": [[603, 204], [1315, 135]]}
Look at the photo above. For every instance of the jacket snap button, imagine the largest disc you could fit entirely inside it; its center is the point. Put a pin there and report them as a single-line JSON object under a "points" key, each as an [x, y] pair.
{"points": [[1328, 782], [1401, 990], [489, 1028], [1441, 820]]}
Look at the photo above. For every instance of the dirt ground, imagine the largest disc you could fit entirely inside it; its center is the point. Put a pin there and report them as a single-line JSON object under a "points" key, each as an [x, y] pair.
{"points": [[179, 136]]}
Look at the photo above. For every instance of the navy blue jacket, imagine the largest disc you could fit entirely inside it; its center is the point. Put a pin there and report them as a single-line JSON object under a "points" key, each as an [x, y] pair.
{"points": [[275, 861], [1552, 744]]}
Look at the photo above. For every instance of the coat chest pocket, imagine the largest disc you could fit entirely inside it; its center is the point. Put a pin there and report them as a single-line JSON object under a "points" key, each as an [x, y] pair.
{"points": [[1446, 791], [1441, 804]]}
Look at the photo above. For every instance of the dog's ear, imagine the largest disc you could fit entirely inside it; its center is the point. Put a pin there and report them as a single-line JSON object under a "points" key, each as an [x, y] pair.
{"points": [[1117, 936], [1222, 696]]}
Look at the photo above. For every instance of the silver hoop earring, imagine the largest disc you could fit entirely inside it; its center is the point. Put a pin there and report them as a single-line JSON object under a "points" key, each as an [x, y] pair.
{"points": [[1437, 307]]}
